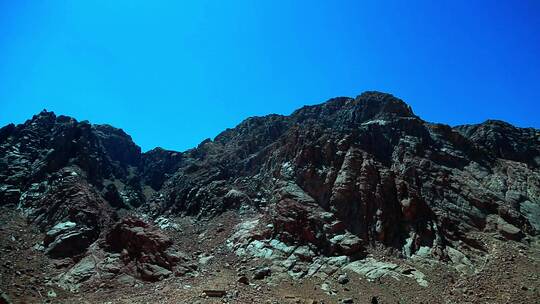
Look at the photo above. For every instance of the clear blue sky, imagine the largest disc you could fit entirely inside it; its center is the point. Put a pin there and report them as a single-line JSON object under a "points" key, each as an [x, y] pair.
{"points": [[172, 73]]}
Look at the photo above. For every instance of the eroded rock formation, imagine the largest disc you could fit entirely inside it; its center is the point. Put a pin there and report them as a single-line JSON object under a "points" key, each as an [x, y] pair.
{"points": [[331, 179]]}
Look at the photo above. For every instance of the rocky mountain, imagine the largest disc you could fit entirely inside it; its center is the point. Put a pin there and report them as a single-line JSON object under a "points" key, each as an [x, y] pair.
{"points": [[313, 194], [370, 167]]}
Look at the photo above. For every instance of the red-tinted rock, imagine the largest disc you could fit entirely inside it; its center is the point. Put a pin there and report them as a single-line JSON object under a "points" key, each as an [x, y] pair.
{"points": [[145, 247]]}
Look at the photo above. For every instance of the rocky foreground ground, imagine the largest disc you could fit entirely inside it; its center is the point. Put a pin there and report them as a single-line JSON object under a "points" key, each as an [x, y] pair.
{"points": [[356, 200], [509, 273]]}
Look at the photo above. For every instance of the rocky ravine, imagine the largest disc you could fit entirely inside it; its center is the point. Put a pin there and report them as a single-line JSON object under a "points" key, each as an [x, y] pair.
{"points": [[351, 200]]}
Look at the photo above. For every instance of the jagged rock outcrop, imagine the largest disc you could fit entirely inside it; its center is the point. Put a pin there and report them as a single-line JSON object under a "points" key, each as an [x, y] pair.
{"points": [[386, 175], [157, 166], [32, 152], [145, 250], [336, 177], [130, 249]]}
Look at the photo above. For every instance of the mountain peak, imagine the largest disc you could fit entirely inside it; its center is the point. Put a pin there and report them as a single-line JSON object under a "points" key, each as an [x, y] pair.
{"points": [[44, 115], [367, 106], [380, 103]]}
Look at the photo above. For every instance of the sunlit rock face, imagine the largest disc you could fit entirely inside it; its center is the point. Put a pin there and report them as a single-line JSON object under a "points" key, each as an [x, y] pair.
{"points": [[337, 177], [374, 169]]}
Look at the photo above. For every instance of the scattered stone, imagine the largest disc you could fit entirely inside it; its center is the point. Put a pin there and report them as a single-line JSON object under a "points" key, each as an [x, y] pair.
{"points": [[343, 279], [243, 279], [153, 272], [214, 293], [203, 260], [509, 231], [347, 244], [126, 279], [261, 273], [51, 294], [80, 272]]}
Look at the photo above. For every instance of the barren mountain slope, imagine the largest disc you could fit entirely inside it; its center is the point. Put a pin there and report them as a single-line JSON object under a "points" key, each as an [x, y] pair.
{"points": [[353, 199]]}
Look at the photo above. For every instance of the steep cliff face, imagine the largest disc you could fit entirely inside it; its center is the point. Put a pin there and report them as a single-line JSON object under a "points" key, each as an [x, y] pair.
{"points": [[364, 169], [375, 169]]}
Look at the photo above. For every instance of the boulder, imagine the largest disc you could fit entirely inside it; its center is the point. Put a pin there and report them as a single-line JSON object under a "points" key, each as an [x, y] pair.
{"points": [[373, 269], [152, 272], [261, 273], [66, 239], [126, 279], [509, 231], [243, 279], [346, 244], [138, 238], [82, 271], [58, 229], [146, 248], [235, 198], [343, 279], [531, 211]]}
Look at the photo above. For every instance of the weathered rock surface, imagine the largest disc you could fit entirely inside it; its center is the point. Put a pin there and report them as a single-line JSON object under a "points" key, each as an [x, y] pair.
{"points": [[322, 185], [132, 249], [369, 168], [144, 248], [373, 269], [66, 239]]}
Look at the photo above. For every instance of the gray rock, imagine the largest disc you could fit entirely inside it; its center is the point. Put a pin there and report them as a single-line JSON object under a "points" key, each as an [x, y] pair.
{"points": [[79, 273], [304, 253], [126, 279], [532, 212], [509, 231], [58, 229], [152, 272], [460, 261], [260, 249], [68, 242], [280, 246], [343, 279], [51, 294], [204, 259], [373, 269], [347, 243]]}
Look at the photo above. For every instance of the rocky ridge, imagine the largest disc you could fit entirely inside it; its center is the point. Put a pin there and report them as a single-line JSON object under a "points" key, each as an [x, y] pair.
{"points": [[313, 193]]}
